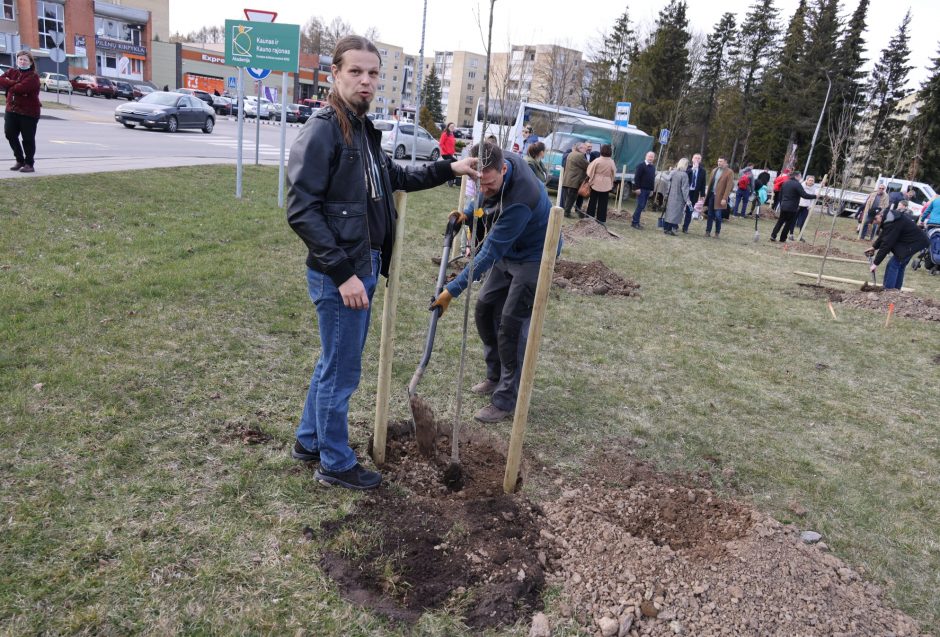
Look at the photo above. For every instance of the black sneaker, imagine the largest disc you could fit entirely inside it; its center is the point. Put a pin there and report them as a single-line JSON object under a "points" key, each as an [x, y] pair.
{"points": [[300, 452], [358, 478]]}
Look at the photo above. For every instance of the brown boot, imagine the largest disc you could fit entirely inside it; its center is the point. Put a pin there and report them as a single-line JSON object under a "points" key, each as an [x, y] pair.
{"points": [[27, 169], [485, 387], [17, 165], [492, 413]]}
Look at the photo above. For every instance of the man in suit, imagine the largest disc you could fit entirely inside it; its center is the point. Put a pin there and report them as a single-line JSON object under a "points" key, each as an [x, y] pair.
{"points": [[644, 177], [716, 197], [697, 178]]}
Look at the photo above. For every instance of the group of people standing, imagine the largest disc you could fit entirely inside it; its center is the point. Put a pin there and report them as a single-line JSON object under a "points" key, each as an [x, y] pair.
{"points": [[591, 174]]}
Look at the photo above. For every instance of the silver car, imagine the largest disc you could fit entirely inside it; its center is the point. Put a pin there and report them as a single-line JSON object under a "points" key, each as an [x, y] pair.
{"points": [[399, 143], [54, 82]]}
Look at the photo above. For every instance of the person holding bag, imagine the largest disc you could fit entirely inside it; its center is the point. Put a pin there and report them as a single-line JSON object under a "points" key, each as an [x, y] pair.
{"points": [[601, 174], [21, 86]]}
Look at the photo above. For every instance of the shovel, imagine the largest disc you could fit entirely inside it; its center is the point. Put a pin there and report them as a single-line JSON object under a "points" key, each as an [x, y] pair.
{"points": [[756, 220], [421, 415]]}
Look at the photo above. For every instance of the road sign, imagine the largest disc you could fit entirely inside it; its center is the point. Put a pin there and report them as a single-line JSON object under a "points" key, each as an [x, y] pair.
{"points": [[260, 15], [262, 45], [258, 74], [57, 55], [232, 82], [622, 114], [664, 137]]}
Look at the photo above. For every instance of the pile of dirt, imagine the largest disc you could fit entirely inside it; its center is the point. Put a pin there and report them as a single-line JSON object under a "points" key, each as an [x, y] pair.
{"points": [[652, 556], [843, 237], [414, 544], [592, 278], [906, 304], [586, 229], [820, 249]]}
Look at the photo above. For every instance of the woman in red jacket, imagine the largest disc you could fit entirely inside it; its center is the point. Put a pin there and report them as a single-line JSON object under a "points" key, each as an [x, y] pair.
{"points": [[21, 86], [448, 144]]}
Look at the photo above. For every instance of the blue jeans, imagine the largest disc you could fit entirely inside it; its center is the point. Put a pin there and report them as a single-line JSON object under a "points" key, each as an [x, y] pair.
{"points": [[640, 205], [894, 273], [714, 216], [741, 198], [323, 425]]}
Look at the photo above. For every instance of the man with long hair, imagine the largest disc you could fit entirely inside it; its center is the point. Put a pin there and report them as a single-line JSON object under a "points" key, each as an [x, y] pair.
{"points": [[340, 203]]}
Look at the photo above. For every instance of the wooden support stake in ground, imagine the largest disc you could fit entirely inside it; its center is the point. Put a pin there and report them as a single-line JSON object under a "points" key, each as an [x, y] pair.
{"points": [[561, 178], [839, 279], [527, 375], [819, 256], [387, 343], [623, 176]]}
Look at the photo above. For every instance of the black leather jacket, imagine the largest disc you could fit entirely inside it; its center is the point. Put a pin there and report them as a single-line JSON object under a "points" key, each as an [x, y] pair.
{"points": [[326, 202]]}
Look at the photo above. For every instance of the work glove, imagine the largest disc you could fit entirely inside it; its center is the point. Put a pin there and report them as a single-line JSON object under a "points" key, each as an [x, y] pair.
{"points": [[457, 217], [441, 302]]}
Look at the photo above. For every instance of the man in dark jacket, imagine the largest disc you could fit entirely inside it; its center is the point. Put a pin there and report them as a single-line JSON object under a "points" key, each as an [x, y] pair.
{"points": [[340, 204], [791, 191], [644, 177], [697, 179], [513, 250], [901, 237]]}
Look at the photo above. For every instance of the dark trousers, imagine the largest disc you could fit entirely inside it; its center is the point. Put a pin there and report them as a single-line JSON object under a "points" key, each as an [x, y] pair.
{"points": [[786, 221], [568, 196], [451, 158], [740, 199], [502, 318], [641, 200], [693, 197], [801, 216], [714, 216], [597, 206], [16, 126]]}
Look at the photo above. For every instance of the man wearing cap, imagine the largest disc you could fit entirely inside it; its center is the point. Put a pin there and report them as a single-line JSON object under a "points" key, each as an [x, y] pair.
{"points": [[902, 238]]}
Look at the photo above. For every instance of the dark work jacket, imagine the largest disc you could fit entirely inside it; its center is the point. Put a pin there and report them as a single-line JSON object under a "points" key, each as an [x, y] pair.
{"points": [[700, 180], [790, 194], [900, 236], [644, 177], [327, 201]]}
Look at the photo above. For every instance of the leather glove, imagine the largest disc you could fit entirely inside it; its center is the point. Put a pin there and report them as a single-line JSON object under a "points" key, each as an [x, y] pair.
{"points": [[441, 302], [457, 217]]}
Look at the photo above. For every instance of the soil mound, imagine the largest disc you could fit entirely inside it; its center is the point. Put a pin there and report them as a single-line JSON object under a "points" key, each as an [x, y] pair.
{"points": [[843, 237], [592, 278], [820, 250], [905, 304], [586, 229], [415, 545], [651, 556]]}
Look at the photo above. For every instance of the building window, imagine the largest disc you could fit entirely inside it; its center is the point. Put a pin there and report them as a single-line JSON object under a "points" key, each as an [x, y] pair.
{"points": [[7, 10], [51, 20], [471, 74], [467, 111], [469, 87], [383, 52], [469, 99]]}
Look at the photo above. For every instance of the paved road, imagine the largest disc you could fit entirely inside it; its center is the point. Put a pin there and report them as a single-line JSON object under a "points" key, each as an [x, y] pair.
{"points": [[85, 138]]}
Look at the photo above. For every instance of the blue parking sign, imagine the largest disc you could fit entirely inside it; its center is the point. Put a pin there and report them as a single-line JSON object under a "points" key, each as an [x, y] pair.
{"points": [[232, 82], [664, 136]]}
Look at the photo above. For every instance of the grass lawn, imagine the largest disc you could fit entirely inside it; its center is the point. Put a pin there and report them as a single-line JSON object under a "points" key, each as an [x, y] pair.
{"points": [[144, 332], [48, 101]]}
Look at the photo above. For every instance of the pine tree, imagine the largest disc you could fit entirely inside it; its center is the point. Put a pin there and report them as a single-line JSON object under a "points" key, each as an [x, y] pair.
{"points": [[431, 95], [818, 62], [848, 77], [927, 124], [610, 67], [886, 89], [715, 70]]}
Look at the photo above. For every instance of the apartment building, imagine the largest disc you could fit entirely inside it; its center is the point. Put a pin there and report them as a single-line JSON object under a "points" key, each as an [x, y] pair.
{"points": [[392, 80], [544, 73], [463, 80], [906, 110]]}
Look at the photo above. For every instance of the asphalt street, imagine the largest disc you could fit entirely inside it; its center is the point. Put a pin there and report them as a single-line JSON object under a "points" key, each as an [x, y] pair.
{"points": [[85, 138]]}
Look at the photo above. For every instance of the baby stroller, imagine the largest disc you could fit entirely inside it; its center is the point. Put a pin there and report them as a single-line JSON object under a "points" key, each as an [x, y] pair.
{"points": [[929, 257]]}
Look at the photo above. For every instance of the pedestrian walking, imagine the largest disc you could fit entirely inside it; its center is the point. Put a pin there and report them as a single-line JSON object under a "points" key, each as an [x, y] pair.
{"points": [[448, 144], [21, 86]]}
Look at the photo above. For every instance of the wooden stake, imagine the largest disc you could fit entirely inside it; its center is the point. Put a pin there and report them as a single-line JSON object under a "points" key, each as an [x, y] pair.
{"points": [[527, 375], [832, 311], [819, 256], [838, 279], [561, 177], [623, 176], [890, 312], [387, 343]]}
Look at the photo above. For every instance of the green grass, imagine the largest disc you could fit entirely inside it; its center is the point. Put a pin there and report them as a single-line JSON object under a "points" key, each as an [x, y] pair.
{"points": [[48, 101], [162, 318]]}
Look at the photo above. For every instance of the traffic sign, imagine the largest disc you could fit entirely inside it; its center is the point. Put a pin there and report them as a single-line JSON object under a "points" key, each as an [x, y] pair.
{"points": [[232, 82], [258, 74], [262, 45], [622, 114], [260, 15], [664, 137]]}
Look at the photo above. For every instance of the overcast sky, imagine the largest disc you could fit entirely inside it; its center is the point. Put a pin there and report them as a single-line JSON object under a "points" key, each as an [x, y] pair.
{"points": [[454, 25]]}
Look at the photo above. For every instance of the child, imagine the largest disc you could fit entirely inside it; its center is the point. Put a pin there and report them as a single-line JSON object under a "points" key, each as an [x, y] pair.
{"points": [[762, 195]]}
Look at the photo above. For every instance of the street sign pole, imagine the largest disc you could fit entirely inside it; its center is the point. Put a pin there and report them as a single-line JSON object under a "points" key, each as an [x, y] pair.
{"points": [[240, 101], [280, 171]]}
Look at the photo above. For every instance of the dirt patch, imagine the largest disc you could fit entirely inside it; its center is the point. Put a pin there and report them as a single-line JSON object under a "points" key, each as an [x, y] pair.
{"points": [[820, 250], [906, 305], [245, 434], [843, 237], [654, 556], [415, 545], [936, 359], [821, 292], [592, 278], [586, 229]]}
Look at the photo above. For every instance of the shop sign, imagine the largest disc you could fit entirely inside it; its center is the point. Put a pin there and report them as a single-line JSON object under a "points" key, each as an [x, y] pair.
{"points": [[118, 45]]}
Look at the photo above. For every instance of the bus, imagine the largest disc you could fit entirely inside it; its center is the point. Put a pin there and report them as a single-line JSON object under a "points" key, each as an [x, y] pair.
{"points": [[559, 127]]}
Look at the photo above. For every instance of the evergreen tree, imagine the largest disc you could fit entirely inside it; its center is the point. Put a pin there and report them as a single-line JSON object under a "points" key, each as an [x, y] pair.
{"points": [[431, 96], [610, 68], [848, 77], [886, 89], [818, 62], [661, 71], [927, 125], [715, 71]]}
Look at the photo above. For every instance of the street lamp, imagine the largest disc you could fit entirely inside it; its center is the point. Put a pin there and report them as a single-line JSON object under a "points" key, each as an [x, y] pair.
{"points": [[818, 124]]}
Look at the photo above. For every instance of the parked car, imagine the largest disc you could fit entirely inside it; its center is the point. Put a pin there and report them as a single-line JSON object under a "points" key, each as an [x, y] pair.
{"points": [[293, 113], [123, 89], [205, 96], [304, 112], [141, 90], [400, 147], [221, 105], [169, 111], [92, 85], [252, 108], [54, 82]]}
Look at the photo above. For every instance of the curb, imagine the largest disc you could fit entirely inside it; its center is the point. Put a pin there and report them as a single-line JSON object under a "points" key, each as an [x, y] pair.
{"points": [[265, 122]]}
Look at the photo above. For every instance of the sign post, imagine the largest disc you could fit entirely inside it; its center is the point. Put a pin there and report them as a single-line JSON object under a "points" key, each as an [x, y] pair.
{"points": [[622, 114], [259, 44], [240, 101]]}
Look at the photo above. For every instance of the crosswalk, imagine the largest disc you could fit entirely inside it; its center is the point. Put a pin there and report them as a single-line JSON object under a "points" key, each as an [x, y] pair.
{"points": [[248, 146]]}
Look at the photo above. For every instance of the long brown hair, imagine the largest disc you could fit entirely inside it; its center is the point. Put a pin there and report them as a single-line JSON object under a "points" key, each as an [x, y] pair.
{"points": [[348, 43]]}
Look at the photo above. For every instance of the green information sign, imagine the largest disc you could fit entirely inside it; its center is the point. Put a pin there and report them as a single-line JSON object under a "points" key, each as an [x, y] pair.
{"points": [[262, 45]]}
